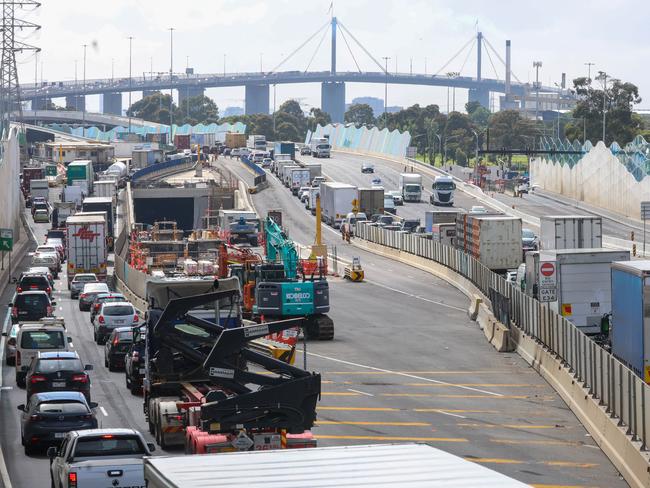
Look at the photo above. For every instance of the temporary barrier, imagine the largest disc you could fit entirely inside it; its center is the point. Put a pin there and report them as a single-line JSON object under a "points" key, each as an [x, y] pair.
{"points": [[625, 395]]}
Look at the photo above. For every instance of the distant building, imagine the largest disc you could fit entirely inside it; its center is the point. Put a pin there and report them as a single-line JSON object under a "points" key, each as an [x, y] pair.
{"points": [[229, 111], [377, 105]]}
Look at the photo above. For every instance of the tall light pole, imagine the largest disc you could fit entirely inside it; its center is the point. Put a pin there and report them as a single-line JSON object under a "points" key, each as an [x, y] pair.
{"points": [[537, 65], [130, 78], [386, 58], [261, 58], [224, 64], [452, 75], [112, 70], [187, 86], [35, 103], [476, 152], [589, 65], [83, 123], [171, 82], [76, 97], [603, 76]]}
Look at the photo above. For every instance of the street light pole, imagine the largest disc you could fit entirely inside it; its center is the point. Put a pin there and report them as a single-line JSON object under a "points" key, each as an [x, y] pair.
{"points": [[171, 82], [224, 64], [537, 65], [386, 58], [604, 76], [476, 152], [130, 78], [589, 65], [83, 123]]}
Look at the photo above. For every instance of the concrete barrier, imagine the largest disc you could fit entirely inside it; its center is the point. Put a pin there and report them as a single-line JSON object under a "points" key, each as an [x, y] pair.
{"points": [[472, 311]]}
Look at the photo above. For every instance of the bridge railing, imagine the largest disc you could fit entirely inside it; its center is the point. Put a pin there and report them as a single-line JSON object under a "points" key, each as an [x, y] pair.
{"points": [[625, 395], [161, 168]]}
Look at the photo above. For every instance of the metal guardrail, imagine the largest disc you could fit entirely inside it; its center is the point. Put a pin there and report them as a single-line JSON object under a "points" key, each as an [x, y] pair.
{"points": [[624, 395]]}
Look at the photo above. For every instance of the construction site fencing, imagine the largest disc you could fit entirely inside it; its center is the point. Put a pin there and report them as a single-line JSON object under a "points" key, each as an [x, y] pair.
{"points": [[625, 395]]}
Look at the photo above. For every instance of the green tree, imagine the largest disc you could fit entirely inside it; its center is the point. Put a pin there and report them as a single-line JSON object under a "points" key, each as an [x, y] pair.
{"points": [[621, 123], [261, 124], [317, 117], [291, 113], [287, 131], [508, 129], [194, 110], [154, 108], [360, 114]]}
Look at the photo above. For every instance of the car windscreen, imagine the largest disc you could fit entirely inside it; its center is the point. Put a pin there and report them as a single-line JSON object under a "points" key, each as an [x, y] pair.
{"points": [[96, 288], [444, 185], [54, 365], [527, 234], [42, 339], [118, 310], [36, 300], [62, 407], [108, 445]]}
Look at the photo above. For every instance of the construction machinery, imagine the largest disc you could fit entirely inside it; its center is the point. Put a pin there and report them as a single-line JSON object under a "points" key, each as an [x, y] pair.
{"points": [[354, 272], [206, 387]]}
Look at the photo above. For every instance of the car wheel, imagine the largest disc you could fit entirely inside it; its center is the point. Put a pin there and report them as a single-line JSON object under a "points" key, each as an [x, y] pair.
{"points": [[29, 449], [111, 366], [126, 379], [20, 381], [95, 338], [105, 362], [10, 361]]}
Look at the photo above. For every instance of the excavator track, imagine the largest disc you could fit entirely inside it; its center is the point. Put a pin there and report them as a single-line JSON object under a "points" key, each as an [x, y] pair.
{"points": [[320, 328]]}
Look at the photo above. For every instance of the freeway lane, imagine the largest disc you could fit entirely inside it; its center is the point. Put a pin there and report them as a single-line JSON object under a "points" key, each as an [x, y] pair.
{"points": [[407, 364]]}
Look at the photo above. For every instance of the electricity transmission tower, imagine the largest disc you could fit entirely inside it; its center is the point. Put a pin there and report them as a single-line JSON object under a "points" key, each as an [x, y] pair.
{"points": [[9, 87]]}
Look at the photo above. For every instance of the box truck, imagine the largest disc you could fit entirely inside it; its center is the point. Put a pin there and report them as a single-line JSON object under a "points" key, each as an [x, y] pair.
{"points": [[495, 240], [576, 283], [283, 147], [105, 189], [336, 201], [299, 177], [235, 139], [100, 204], [446, 216], [320, 147], [571, 232], [256, 142], [315, 169], [81, 173], [39, 188], [410, 186], [86, 249], [630, 333]]}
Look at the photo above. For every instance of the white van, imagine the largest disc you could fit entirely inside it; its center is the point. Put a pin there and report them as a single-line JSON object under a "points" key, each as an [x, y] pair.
{"points": [[34, 337]]}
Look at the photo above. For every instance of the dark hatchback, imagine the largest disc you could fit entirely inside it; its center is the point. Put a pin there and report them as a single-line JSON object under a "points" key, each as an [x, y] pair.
{"points": [[47, 417], [117, 345], [58, 371], [31, 306], [134, 361], [34, 282]]}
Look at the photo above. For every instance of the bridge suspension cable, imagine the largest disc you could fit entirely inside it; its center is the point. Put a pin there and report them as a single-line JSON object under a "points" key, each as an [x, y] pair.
{"points": [[350, 50], [487, 51], [490, 46], [299, 47], [363, 48], [469, 53], [316, 50], [471, 40]]}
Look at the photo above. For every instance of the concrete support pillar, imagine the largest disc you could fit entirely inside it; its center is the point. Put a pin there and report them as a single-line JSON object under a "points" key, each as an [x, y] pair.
{"points": [[75, 102], [111, 103], [190, 92], [480, 95], [148, 93], [257, 99], [333, 99], [39, 103]]}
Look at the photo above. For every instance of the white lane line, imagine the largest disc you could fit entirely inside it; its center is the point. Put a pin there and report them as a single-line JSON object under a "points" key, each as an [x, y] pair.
{"points": [[4, 474], [406, 375], [104, 411], [418, 297], [361, 392], [451, 414]]}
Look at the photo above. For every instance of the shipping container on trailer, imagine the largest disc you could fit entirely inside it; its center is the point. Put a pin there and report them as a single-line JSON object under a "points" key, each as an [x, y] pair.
{"points": [[86, 245], [284, 147], [441, 216], [235, 139], [81, 173], [571, 232], [412, 465], [495, 240], [370, 201], [101, 204]]}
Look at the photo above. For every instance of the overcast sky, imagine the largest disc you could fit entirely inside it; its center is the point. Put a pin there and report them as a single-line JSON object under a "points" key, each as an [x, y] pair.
{"points": [[564, 35]]}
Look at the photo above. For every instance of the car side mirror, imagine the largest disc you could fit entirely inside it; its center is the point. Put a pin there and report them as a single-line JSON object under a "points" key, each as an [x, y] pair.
{"points": [[88, 367], [93, 404], [21, 407], [10, 304], [70, 340], [53, 304], [151, 446], [14, 280], [51, 452]]}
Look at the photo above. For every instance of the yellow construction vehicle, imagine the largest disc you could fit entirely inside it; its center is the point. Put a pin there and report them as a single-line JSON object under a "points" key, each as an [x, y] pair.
{"points": [[354, 272]]}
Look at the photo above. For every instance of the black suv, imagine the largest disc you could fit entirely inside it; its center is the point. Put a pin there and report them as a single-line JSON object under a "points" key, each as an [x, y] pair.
{"points": [[32, 282], [31, 306], [58, 371], [117, 345]]}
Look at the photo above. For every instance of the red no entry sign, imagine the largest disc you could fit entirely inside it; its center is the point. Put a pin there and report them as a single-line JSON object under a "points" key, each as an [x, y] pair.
{"points": [[547, 269]]}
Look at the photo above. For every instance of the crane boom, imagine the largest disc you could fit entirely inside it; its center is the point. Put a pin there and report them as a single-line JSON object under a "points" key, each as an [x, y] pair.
{"points": [[280, 247]]}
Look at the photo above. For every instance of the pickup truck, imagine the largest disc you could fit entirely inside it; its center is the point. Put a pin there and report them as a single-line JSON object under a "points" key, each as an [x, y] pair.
{"points": [[99, 458]]}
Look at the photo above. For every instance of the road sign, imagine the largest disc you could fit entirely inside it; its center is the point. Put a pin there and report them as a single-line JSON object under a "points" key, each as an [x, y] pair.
{"points": [[411, 151], [547, 281], [645, 210], [50, 170], [6, 239], [355, 206]]}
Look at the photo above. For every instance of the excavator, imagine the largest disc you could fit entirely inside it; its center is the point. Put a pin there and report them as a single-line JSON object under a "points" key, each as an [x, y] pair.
{"points": [[282, 287]]}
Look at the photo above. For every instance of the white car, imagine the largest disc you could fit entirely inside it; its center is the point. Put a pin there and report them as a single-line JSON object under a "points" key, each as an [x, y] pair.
{"points": [[397, 197], [79, 281], [51, 261], [35, 337], [111, 316], [90, 291]]}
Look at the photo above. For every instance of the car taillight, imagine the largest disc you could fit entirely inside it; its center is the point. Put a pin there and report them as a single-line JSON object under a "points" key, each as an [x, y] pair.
{"points": [[35, 417], [136, 356], [48, 290], [72, 480], [49, 309], [80, 378], [101, 319], [83, 295], [14, 311], [116, 340], [96, 306], [136, 318], [37, 378], [87, 417]]}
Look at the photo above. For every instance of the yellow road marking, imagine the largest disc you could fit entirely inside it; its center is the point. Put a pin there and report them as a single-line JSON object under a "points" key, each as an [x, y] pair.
{"points": [[360, 409], [509, 426], [537, 443], [518, 461], [391, 438], [339, 393], [394, 424]]}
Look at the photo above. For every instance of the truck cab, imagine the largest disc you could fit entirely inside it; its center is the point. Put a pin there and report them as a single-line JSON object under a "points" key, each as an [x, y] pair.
{"points": [[443, 191], [410, 185]]}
